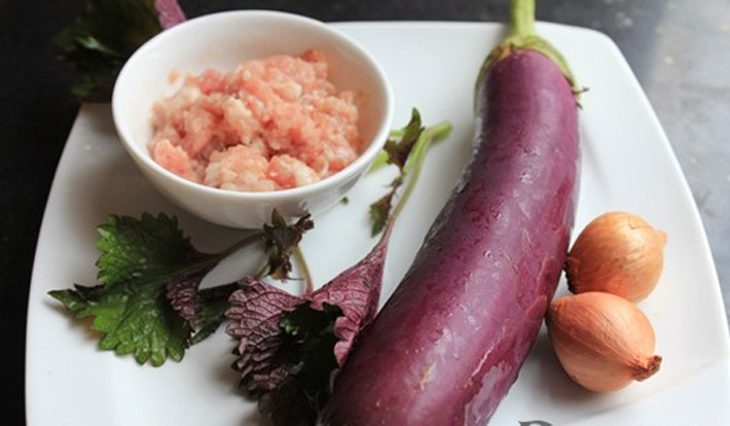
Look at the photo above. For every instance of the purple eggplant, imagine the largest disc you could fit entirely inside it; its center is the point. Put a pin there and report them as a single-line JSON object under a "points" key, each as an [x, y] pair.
{"points": [[449, 342]]}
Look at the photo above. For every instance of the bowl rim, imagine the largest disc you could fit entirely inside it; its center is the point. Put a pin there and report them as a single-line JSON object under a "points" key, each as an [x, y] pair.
{"points": [[366, 157]]}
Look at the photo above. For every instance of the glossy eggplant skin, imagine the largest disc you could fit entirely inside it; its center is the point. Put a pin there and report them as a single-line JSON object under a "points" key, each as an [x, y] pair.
{"points": [[449, 342]]}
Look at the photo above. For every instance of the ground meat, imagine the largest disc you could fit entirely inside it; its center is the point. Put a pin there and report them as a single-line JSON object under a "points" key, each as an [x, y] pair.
{"points": [[270, 124]]}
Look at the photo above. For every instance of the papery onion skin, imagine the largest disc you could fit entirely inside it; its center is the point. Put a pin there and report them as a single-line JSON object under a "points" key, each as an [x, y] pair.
{"points": [[618, 253], [602, 341]]}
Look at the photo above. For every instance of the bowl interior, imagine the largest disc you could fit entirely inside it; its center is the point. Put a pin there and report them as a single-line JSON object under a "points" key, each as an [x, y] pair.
{"points": [[223, 41]]}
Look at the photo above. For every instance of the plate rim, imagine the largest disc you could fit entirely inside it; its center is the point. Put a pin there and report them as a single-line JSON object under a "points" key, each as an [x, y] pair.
{"points": [[32, 305]]}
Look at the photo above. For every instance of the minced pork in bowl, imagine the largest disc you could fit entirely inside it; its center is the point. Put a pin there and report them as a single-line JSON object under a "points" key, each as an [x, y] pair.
{"points": [[233, 180]]}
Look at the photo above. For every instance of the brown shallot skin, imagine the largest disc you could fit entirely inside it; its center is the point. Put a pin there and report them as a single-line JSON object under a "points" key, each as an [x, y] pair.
{"points": [[448, 344]]}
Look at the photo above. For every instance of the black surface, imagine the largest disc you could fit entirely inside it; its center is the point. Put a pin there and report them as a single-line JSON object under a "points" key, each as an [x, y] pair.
{"points": [[37, 114], [37, 110]]}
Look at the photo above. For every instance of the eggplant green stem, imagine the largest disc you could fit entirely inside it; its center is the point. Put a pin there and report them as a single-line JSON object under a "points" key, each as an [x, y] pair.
{"points": [[522, 36], [522, 18]]}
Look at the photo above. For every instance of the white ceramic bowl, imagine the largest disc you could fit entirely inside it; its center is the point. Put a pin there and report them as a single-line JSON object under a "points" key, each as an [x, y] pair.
{"points": [[223, 41]]}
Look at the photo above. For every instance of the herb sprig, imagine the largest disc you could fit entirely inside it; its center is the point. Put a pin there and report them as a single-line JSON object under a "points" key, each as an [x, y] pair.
{"points": [[147, 301], [101, 39]]}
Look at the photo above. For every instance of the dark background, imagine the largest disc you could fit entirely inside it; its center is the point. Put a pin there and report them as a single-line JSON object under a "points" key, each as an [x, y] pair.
{"points": [[680, 51]]}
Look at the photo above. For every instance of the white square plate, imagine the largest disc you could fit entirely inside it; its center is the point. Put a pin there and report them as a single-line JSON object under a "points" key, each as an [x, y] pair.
{"points": [[627, 165]]}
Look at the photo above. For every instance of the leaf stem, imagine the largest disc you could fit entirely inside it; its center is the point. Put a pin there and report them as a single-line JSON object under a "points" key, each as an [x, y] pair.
{"points": [[412, 169], [264, 269], [248, 239], [382, 158], [304, 270], [397, 133]]}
